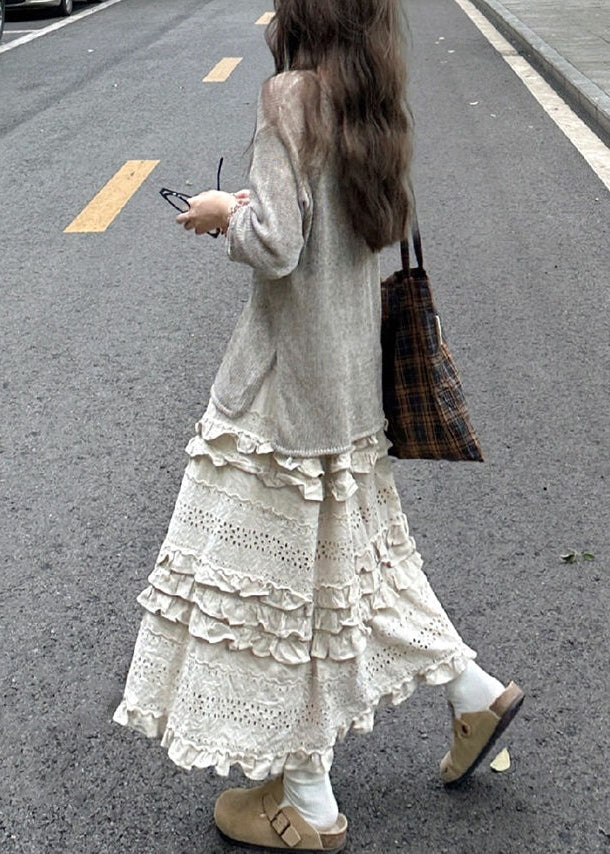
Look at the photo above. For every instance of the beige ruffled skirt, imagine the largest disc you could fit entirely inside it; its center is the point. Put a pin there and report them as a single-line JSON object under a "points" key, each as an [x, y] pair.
{"points": [[286, 603]]}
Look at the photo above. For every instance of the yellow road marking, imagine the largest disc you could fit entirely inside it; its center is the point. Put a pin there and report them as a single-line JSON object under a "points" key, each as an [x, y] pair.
{"points": [[266, 18], [223, 70], [103, 209]]}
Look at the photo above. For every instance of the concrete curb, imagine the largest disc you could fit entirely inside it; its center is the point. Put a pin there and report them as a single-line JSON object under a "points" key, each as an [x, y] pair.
{"points": [[591, 102]]}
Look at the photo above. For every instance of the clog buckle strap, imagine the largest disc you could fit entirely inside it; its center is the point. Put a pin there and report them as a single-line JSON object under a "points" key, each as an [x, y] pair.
{"points": [[280, 822]]}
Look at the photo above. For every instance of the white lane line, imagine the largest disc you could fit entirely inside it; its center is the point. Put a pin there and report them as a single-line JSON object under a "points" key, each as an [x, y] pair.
{"points": [[65, 22], [580, 135]]}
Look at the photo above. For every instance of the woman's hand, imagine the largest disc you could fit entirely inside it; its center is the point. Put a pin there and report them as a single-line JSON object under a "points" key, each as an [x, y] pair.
{"points": [[208, 211]]}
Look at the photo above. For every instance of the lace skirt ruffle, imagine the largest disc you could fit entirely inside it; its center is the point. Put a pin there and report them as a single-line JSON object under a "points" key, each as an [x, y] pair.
{"points": [[286, 603]]}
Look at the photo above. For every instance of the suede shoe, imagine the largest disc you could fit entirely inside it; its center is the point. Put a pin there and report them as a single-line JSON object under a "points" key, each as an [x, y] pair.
{"points": [[253, 818], [475, 733]]}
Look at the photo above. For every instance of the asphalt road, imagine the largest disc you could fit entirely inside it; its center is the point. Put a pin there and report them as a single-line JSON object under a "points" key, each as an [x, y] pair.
{"points": [[27, 19], [109, 345]]}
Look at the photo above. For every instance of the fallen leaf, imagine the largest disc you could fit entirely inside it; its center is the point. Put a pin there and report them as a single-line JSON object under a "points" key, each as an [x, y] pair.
{"points": [[588, 556], [501, 762], [569, 557]]}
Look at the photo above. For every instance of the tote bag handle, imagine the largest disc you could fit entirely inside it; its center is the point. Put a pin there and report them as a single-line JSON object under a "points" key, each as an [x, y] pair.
{"points": [[416, 239]]}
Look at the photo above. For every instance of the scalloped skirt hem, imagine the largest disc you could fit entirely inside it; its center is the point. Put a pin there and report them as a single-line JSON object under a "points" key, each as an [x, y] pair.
{"points": [[189, 755]]}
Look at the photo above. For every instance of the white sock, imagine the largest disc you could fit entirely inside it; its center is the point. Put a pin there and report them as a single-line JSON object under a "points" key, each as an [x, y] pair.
{"points": [[474, 690], [311, 794]]}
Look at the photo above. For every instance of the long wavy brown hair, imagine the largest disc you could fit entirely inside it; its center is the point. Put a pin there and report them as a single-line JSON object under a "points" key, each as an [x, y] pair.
{"points": [[357, 49]]}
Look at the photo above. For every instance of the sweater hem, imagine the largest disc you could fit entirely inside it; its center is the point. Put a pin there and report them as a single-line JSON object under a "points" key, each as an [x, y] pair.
{"points": [[381, 424]]}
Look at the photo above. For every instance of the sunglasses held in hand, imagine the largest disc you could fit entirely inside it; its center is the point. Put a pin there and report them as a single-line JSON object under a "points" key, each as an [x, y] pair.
{"points": [[180, 201]]}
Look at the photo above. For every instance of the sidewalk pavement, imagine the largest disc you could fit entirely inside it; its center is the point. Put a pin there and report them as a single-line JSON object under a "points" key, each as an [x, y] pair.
{"points": [[568, 41]]}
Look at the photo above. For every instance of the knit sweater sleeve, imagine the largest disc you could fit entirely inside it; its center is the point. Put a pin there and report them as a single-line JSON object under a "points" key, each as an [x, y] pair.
{"points": [[268, 233]]}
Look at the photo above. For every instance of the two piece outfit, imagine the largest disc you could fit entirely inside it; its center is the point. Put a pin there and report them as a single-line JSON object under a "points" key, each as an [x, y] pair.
{"points": [[288, 598]]}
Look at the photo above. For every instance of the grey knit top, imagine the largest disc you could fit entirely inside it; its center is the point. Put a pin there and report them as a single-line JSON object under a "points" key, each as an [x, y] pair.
{"points": [[314, 311]]}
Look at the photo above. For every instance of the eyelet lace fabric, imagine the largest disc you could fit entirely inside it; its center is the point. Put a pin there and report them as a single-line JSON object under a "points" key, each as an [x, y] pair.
{"points": [[287, 602]]}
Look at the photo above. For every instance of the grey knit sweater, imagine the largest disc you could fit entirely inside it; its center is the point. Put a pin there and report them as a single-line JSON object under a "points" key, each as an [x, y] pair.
{"points": [[314, 311]]}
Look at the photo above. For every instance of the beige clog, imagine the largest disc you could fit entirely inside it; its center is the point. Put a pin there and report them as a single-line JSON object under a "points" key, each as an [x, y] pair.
{"points": [[253, 818], [475, 733]]}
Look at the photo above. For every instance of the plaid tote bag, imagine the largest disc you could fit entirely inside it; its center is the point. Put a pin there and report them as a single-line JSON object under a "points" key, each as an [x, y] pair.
{"points": [[423, 399]]}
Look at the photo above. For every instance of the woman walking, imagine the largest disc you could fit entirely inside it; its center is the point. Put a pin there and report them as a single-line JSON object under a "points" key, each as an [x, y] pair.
{"points": [[288, 598]]}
